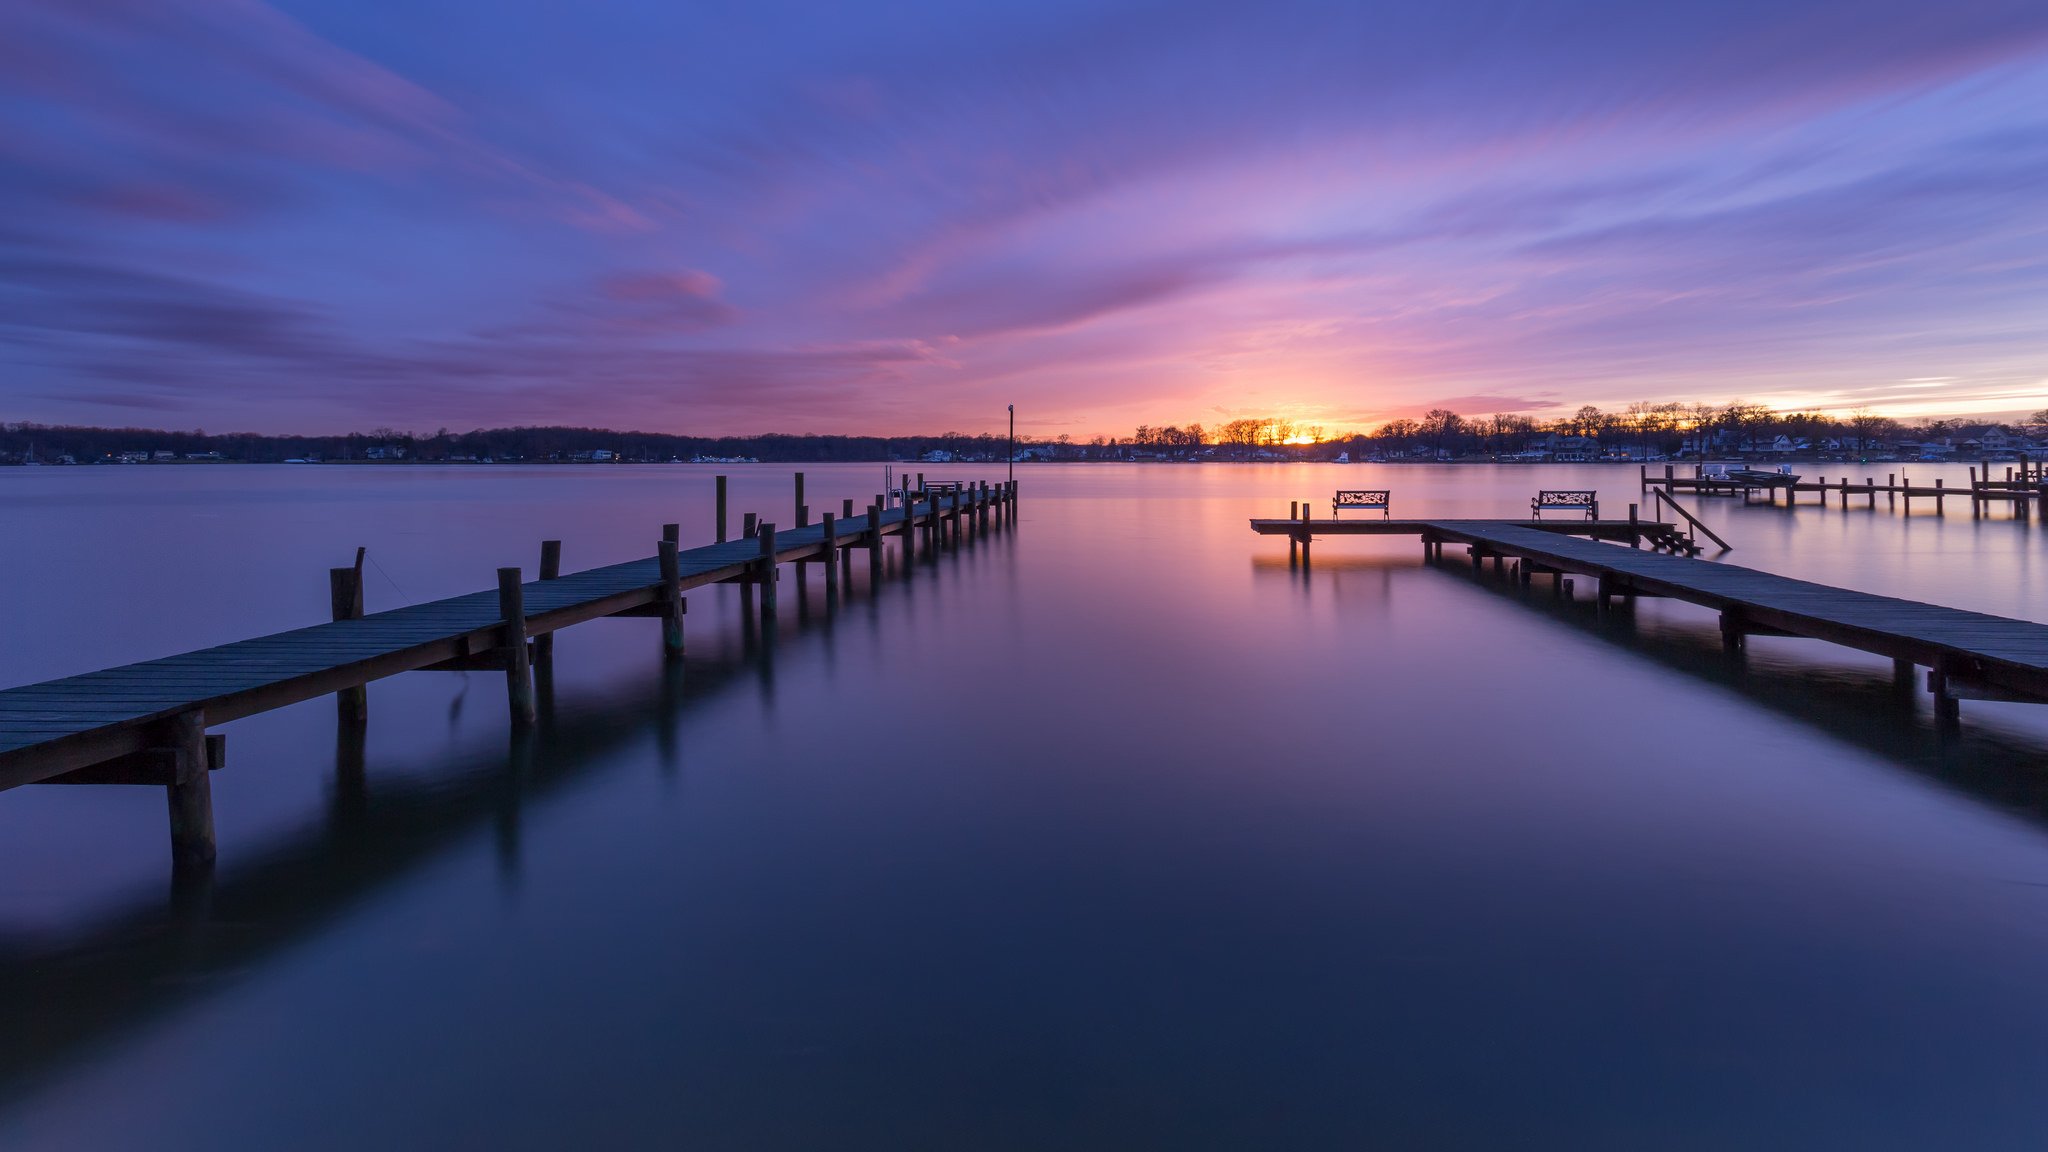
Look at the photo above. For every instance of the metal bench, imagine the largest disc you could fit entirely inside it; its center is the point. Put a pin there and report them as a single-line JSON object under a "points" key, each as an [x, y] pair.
{"points": [[1560, 500], [1366, 498]]}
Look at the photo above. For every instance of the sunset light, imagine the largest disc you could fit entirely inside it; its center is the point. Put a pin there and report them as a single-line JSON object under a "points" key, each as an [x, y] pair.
{"points": [[1026, 574]]}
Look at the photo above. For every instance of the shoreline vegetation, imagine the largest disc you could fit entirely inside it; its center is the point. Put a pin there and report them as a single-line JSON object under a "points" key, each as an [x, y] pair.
{"points": [[1641, 433]]}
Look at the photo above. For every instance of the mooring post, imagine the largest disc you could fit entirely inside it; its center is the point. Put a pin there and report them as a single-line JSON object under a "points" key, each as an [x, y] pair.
{"points": [[550, 569], [1939, 495], [345, 595], [1731, 632], [766, 532], [846, 508], [669, 557], [874, 544], [1635, 533], [721, 509], [831, 527], [1948, 713], [673, 533], [750, 525], [518, 664], [803, 513], [1305, 538], [190, 795], [1294, 537]]}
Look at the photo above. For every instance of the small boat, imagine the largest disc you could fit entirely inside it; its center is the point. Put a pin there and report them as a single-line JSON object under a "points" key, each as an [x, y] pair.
{"points": [[1763, 478]]}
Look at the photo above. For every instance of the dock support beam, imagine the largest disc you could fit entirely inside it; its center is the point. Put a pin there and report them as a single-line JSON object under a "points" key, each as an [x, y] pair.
{"points": [[668, 557], [345, 592], [550, 569], [831, 524], [767, 569], [518, 665], [875, 553], [190, 795]]}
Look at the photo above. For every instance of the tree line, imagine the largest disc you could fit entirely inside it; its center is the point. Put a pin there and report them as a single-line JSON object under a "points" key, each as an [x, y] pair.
{"points": [[1645, 426], [50, 443]]}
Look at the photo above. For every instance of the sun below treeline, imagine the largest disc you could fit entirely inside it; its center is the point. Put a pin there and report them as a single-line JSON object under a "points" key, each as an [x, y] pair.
{"points": [[1667, 429]]}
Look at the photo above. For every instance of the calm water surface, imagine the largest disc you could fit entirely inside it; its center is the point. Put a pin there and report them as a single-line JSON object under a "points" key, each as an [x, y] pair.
{"points": [[1112, 831]]}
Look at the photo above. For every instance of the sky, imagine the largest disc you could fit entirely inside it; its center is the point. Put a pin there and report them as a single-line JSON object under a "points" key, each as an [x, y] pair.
{"points": [[716, 218]]}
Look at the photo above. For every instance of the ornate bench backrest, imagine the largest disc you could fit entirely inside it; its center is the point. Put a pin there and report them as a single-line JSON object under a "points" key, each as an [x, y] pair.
{"points": [[1362, 498], [1551, 498]]}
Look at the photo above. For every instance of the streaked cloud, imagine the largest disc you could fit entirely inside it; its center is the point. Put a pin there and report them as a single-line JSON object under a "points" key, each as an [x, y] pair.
{"points": [[801, 216]]}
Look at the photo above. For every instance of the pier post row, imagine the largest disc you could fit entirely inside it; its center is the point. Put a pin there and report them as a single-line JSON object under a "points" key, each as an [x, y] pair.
{"points": [[1968, 655], [146, 723]]}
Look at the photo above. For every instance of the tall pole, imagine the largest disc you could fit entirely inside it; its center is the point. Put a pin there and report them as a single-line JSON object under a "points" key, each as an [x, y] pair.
{"points": [[1013, 442]]}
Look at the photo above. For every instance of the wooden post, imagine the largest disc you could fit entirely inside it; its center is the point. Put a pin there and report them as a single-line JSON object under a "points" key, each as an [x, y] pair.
{"points": [[909, 531], [345, 598], [875, 543], [766, 532], [1731, 632], [1938, 496], [669, 555], [1635, 534], [750, 525], [831, 559], [518, 667], [721, 509], [550, 569], [1293, 538], [1891, 490], [802, 512], [1304, 538], [190, 796], [1947, 711], [846, 508], [673, 533]]}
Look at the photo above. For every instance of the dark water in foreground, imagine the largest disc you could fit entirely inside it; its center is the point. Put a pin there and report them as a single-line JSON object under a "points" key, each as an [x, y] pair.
{"points": [[1111, 831]]}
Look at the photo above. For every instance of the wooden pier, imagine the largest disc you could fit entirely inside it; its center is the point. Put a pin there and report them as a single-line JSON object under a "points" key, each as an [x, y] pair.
{"points": [[1968, 655], [146, 723], [2023, 482]]}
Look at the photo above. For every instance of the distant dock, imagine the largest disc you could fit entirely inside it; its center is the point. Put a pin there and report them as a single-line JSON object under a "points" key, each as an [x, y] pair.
{"points": [[146, 723]]}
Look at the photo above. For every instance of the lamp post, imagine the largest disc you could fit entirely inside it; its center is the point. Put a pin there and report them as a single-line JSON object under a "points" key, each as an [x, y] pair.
{"points": [[1013, 442]]}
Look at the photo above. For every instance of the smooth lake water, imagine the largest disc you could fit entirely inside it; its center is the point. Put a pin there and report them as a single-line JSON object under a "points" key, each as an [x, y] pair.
{"points": [[1111, 831]]}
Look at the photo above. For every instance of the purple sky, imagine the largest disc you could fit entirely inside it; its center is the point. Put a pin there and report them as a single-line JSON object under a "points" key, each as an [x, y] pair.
{"points": [[761, 215]]}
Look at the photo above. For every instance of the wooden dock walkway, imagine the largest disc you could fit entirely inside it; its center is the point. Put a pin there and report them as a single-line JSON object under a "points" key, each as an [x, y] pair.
{"points": [[1969, 655], [146, 723]]}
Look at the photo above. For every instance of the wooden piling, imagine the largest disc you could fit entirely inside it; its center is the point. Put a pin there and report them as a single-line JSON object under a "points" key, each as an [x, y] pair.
{"points": [[550, 569], [875, 543], [1635, 533], [803, 515], [674, 606], [721, 509], [831, 527], [766, 532], [345, 599], [518, 664], [750, 525], [190, 795]]}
